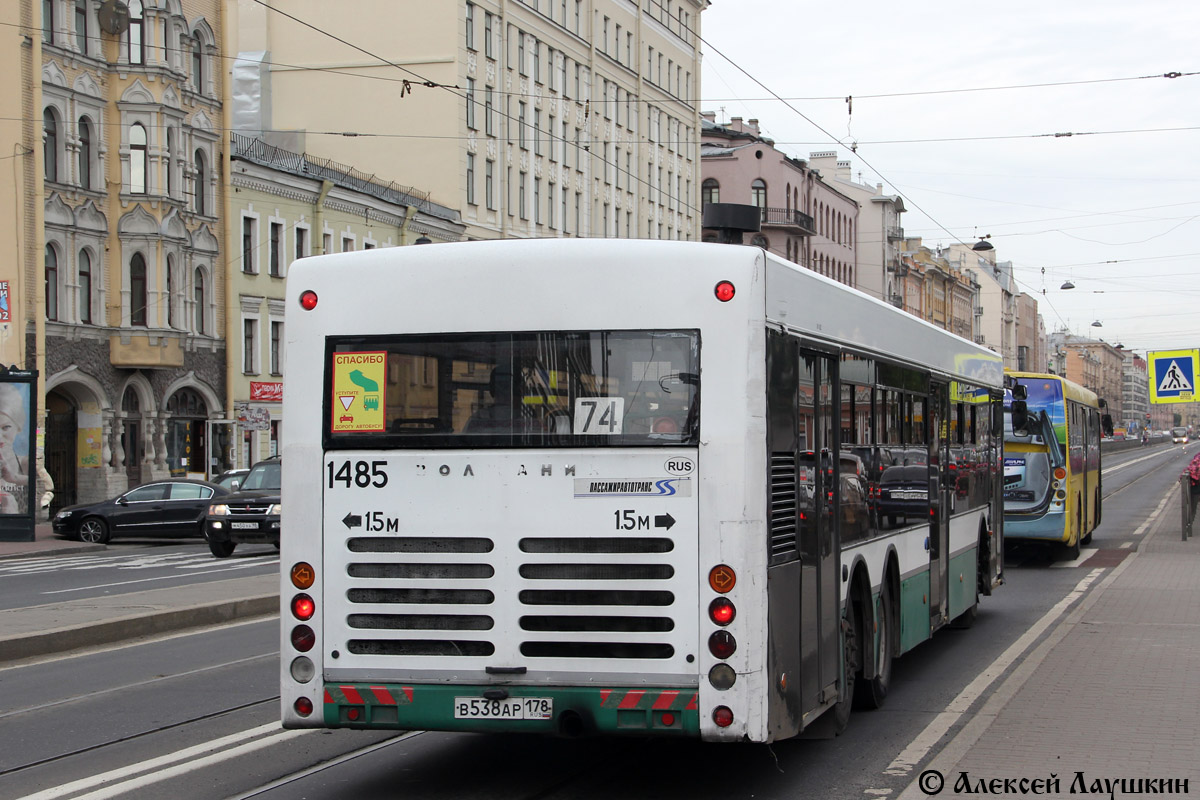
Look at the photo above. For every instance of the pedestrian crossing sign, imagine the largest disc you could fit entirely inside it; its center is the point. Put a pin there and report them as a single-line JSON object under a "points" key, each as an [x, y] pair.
{"points": [[1173, 375]]}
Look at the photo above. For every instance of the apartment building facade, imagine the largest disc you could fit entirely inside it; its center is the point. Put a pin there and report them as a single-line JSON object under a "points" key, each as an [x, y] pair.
{"points": [[531, 117], [803, 218], [286, 206], [119, 265]]}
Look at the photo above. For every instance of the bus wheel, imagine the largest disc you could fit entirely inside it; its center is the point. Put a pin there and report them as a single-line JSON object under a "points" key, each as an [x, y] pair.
{"points": [[850, 655], [873, 691], [1073, 548]]}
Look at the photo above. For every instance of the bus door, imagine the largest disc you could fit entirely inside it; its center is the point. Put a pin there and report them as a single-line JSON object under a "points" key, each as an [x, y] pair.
{"points": [[820, 611], [939, 503]]}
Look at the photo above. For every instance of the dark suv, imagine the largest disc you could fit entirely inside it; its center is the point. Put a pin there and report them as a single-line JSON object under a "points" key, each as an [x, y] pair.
{"points": [[250, 514]]}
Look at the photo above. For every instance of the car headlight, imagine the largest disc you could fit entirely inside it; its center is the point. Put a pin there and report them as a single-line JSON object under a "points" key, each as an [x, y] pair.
{"points": [[275, 510], [60, 516], [219, 510]]}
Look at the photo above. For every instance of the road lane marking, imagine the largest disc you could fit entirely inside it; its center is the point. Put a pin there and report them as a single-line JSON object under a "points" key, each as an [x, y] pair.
{"points": [[940, 724], [195, 751], [333, 762], [172, 576]]}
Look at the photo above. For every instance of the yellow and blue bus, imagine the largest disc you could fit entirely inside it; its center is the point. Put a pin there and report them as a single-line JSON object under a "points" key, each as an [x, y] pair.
{"points": [[1052, 488]]}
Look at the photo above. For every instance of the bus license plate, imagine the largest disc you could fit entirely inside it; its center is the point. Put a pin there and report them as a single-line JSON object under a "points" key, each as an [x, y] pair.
{"points": [[509, 708], [244, 525]]}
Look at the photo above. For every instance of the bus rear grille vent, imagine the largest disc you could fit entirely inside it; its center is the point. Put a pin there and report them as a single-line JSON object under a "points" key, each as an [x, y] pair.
{"points": [[609, 624], [601, 545], [596, 650], [783, 508], [418, 544], [419, 647], [421, 622], [597, 572], [421, 571], [595, 597], [423, 596]]}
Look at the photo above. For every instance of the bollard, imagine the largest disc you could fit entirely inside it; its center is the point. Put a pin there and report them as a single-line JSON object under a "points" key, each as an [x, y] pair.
{"points": [[1185, 492]]}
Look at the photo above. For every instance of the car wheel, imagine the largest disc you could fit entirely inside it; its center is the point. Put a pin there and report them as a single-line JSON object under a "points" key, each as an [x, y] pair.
{"points": [[93, 530], [221, 549]]}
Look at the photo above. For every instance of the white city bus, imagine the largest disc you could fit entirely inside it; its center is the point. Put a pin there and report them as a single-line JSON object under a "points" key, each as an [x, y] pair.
{"points": [[610, 486]]}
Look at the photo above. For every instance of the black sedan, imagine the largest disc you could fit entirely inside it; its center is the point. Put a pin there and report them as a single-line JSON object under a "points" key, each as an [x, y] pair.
{"points": [[171, 507]]}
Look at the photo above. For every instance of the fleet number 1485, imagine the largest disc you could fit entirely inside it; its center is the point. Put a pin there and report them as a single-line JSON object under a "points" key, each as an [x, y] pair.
{"points": [[358, 473]]}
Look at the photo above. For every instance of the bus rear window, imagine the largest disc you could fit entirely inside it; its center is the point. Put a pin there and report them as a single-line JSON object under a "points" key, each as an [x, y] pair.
{"points": [[540, 389]]}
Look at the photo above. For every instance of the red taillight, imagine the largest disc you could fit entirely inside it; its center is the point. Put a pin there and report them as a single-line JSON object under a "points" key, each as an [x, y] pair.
{"points": [[303, 706], [1059, 473], [724, 291], [722, 716], [722, 644], [303, 638], [308, 299], [721, 611], [303, 607]]}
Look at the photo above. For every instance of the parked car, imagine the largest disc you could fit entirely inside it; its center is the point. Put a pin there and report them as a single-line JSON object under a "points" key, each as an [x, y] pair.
{"points": [[251, 514], [171, 507], [231, 479]]}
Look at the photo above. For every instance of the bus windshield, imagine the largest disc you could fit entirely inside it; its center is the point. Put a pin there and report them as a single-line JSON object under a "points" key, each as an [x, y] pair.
{"points": [[536, 389]]}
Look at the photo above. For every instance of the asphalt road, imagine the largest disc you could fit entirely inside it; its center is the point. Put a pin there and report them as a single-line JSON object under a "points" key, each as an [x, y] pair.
{"points": [[127, 565], [195, 716]]}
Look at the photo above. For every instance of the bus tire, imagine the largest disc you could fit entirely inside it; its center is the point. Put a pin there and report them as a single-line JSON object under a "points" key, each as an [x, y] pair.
{"points": [[872, 692], [1074, 546], [850, 658]]}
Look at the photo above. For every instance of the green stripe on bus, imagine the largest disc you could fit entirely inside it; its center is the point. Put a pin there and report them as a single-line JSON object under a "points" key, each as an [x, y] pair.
{"points": [[914, 610]]}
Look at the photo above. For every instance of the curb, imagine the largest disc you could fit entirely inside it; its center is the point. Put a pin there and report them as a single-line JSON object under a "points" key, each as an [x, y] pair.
{"points": [[63, 549], [61, 640]]}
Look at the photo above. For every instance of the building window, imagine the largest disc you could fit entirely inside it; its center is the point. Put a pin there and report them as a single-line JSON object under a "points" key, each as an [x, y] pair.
{"points": [[170, 291], [537, 201], [197, 64], [347, 244], [137, 159], [137, 53], [81, 26], [521, 126], [489, 185], [521, 53], [249, 334], [470, 26], [274, 249], [48, 21], [521, 198], [327, 243], [537, 132], [201, 183], [470, 179], [488, 22], [248, 237], [301, 242], [170, 162], [276, 347], [758, 195], [198, 290], [137, 290], [51, 283], [537, 61], [471, 103], [50, 143], [85, 287], [488, 127]]}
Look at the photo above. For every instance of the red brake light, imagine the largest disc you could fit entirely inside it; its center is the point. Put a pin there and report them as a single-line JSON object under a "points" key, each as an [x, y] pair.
{"points": [[721, 611], [303, 638], [724, 291], [303, 607], [722, 716], [722, 644], [303, 706], [308, 299]]}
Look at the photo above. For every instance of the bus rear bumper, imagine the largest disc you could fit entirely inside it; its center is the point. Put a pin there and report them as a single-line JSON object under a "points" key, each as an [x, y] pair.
{"points": [[572, 711], [1046, 528]]}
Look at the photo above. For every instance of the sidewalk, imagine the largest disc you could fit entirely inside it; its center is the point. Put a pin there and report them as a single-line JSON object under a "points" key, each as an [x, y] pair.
{"points": [[72, 624], [45, 543], [1112, 693]]}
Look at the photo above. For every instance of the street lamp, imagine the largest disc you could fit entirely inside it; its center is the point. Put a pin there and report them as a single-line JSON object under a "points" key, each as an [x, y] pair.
{"points": [[983, 245], [1067, 285]]}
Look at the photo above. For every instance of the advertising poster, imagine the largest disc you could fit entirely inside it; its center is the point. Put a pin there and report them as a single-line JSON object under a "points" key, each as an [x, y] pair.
{"points": [[16, 427]]}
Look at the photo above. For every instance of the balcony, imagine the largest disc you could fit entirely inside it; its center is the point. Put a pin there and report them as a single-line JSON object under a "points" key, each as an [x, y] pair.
{"points": [[796, 221], [895, 233], [131, 350], [898, 300]]}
